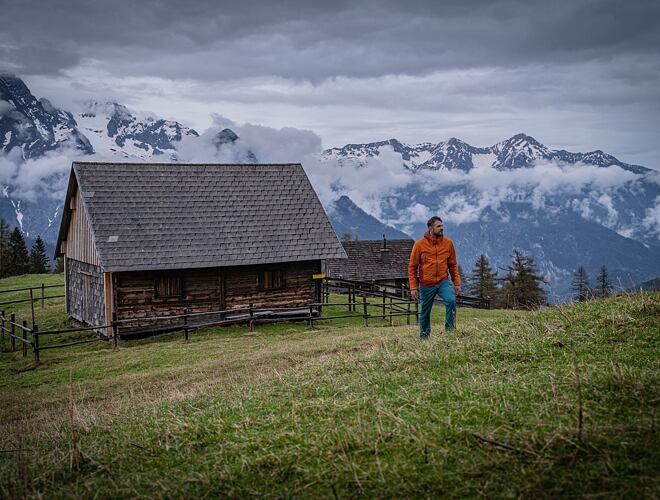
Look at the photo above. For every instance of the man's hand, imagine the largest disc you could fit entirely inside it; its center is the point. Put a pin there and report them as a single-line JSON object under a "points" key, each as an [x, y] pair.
{"points": [[459, 292], [414, 294]]}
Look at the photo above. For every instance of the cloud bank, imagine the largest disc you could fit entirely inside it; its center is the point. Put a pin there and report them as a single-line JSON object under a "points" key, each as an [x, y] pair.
{"points": [[379, 185]]}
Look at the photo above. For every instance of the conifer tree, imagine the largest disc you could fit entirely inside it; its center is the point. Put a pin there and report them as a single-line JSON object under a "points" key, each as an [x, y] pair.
{"points": [[482, 279], [603, 283], [522, 288], [39, 263], [4, 248], [19, 258], [580, 284]]}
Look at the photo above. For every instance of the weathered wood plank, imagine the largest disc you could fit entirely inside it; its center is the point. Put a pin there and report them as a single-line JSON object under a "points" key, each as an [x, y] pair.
{"points": [[212, 289]]}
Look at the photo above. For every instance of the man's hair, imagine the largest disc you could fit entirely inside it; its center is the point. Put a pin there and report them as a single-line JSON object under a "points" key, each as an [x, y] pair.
{"points": [[433, 220]]}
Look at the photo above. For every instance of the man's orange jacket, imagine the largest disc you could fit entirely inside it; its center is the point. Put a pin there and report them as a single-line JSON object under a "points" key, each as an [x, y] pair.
{"points": [[434, 259]]}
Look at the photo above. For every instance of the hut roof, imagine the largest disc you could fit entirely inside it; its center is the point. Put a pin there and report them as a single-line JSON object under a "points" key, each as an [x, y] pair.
{"points": [[367, 260], [174, 216]]}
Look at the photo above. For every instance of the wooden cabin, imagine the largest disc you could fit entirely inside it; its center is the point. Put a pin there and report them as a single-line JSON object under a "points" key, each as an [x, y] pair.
{"points": [[144, 240], [383, 262]]}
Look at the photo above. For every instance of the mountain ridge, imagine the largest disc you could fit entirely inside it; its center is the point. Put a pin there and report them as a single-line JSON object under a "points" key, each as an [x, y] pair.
{"points": [[518, 151]]}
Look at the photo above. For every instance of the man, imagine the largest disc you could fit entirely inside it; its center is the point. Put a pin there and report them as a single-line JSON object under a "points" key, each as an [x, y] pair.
{"points": [[434, 258]]}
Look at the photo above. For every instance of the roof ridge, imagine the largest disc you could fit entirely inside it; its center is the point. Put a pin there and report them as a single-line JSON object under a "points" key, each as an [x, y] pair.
{"points": [[187, 164]]}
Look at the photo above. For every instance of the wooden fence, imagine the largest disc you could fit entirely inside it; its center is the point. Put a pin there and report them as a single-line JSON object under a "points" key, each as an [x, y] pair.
{"points": [[353, 288], [365, 300], [32, 338], [37, 294]]}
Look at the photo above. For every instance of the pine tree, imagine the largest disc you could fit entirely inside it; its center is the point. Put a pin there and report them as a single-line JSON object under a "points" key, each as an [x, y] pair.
{"points": [[604, 285], [580, 284], [482, 279], [39, 263], [4, 249], [522, 288], [19, 258]]}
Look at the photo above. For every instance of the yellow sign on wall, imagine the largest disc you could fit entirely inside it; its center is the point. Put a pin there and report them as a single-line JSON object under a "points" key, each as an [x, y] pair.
{"points": [[318, 276]]}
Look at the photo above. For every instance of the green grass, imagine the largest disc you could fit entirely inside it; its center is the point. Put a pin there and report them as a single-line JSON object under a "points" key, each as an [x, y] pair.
{"points": [[491, 409]]}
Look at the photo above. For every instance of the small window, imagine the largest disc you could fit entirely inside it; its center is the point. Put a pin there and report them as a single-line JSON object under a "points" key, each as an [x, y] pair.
{"points": [[168, 286], [271, 280]]}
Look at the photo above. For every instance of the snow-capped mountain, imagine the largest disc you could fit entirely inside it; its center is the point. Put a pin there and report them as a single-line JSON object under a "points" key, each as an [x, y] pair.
{"points": [[519, 151], [113, 130], [35, 126], [32, 128]]}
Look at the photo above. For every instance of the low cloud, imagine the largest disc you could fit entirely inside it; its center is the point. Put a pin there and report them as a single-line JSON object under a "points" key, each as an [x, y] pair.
{"points": [[652, 220], [380, 185], [368, 185], [35, 179]]}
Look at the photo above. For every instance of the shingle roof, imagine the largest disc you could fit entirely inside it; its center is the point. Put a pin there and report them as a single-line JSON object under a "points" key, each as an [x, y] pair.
{"points": [[365, 263], [174, 216]]}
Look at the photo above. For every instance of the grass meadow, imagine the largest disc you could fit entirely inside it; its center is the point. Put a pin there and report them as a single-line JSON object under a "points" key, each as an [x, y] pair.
{"points": [[557, 403]]}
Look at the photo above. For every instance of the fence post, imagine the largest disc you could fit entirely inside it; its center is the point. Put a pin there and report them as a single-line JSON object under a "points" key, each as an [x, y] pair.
{"points": [[185, 323], [311, 322], [115, 331], [35, 343], [12, 328], [383, 303], [364, 306], [391, 313], [3, 330], [408, 315], [32, 305], [251, 324], [43, 297], [25, 337]]}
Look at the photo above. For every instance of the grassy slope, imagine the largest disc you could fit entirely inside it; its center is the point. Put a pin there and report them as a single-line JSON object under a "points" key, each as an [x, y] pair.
{"points": [[347, 411]]}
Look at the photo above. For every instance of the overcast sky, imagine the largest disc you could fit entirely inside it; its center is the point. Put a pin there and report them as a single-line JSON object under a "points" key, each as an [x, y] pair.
{"points": [[578, 75]]}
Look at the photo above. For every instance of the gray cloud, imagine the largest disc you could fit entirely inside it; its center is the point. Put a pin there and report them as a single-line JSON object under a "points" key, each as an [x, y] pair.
{"points": [[317, 40], [579, 75]]}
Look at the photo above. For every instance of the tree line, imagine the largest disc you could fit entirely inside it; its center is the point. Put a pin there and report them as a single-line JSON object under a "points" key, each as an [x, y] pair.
{"points": [[15, 259], [582, 289], [519, 288]]}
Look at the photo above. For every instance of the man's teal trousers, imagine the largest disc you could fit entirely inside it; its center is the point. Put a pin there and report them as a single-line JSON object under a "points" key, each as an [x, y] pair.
{"points": [[426, 295]]}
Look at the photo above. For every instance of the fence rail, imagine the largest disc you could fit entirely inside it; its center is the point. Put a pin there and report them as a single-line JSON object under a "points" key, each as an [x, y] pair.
{"points": [[33, 298], [350, 287], [311, 313], [376, 301]]}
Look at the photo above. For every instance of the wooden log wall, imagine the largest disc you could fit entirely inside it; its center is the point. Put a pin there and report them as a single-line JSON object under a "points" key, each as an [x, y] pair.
{"points": [[79, 241], [241, 284], [201, 291], [210, 289]]}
